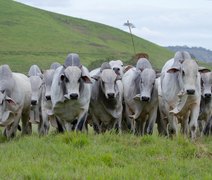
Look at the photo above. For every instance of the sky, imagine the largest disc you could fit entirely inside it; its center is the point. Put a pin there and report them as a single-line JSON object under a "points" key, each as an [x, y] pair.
{"points": [[164, 22]]}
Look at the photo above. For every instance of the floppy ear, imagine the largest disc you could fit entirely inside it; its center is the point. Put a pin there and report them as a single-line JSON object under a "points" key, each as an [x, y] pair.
{"points": [[173, 70], [126, 68], [10, 100], [204, 70], [12, 105], [87, 79]]}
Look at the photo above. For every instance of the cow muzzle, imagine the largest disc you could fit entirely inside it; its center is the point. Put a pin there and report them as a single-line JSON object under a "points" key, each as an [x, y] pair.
{"points": [[48, 98], [190, 91], [145, 98], [33, 102], [111, 95], [207, 95]]}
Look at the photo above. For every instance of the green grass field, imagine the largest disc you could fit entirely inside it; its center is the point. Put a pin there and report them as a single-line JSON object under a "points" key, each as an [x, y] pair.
{"points": [[105, 156], [32, 36]]}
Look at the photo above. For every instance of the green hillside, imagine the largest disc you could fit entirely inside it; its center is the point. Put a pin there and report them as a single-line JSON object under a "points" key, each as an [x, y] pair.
{"points": [[30, 35]]}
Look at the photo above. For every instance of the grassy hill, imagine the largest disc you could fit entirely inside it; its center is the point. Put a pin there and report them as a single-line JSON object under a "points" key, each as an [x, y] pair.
{"points": [[30, 35]]}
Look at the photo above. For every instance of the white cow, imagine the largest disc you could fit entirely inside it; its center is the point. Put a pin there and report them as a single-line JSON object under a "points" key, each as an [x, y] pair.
{"points": [[36, 81], [15, 98], [206, 101], [141, 97], [117, 66], [180, 94], [70, 95], [106, 100]]}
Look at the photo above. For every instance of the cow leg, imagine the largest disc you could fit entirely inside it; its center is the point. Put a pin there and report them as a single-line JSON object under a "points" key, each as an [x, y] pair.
{"points": [[96, 125], [10, 130], [81, 121], [137, 127], [151, 121], [201, 125], [172, 126], [60, 125], [184, 124], [133, 125], [193, 121], [26, 125], [208, 126], [43, 126], [117, 125], [142, 126]]}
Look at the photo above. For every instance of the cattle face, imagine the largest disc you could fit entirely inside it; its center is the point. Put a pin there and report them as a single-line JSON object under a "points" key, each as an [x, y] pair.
{"points": [[146, 84], [188, 76], [108, 80], [47, 79], [117, 66], [206, 80], [73, 79], [36, 85], [7, 106]]}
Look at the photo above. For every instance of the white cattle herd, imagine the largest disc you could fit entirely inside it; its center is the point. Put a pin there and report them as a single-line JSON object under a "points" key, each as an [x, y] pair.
{"points": [[69, 98]]}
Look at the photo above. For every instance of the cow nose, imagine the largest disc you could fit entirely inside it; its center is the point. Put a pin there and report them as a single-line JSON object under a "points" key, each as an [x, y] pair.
{"points": [[48, 98], [73, 96], [33, 102], [207, 95], [190, 91], [117, 70], [144, 98], [111, 95]]}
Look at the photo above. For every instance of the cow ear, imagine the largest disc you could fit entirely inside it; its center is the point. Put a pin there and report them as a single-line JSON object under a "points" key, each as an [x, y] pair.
{"points": [[87, 79], [10, 100], [173, 70], [126, 68], [204, 70]]}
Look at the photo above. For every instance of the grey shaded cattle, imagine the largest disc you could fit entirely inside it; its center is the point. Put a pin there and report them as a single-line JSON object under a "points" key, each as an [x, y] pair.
{"points": [[117, 66], [46, 103], [180, 94], [141, 97], [34, 70], [206, 101], [55, 65], [15, 98], [35, 77], [106, 101], [72, 60], [142, 64], [70, 95]]}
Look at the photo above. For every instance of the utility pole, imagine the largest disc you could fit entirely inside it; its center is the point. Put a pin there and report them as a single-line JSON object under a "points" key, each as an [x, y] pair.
{"points": [[130, 25]]}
